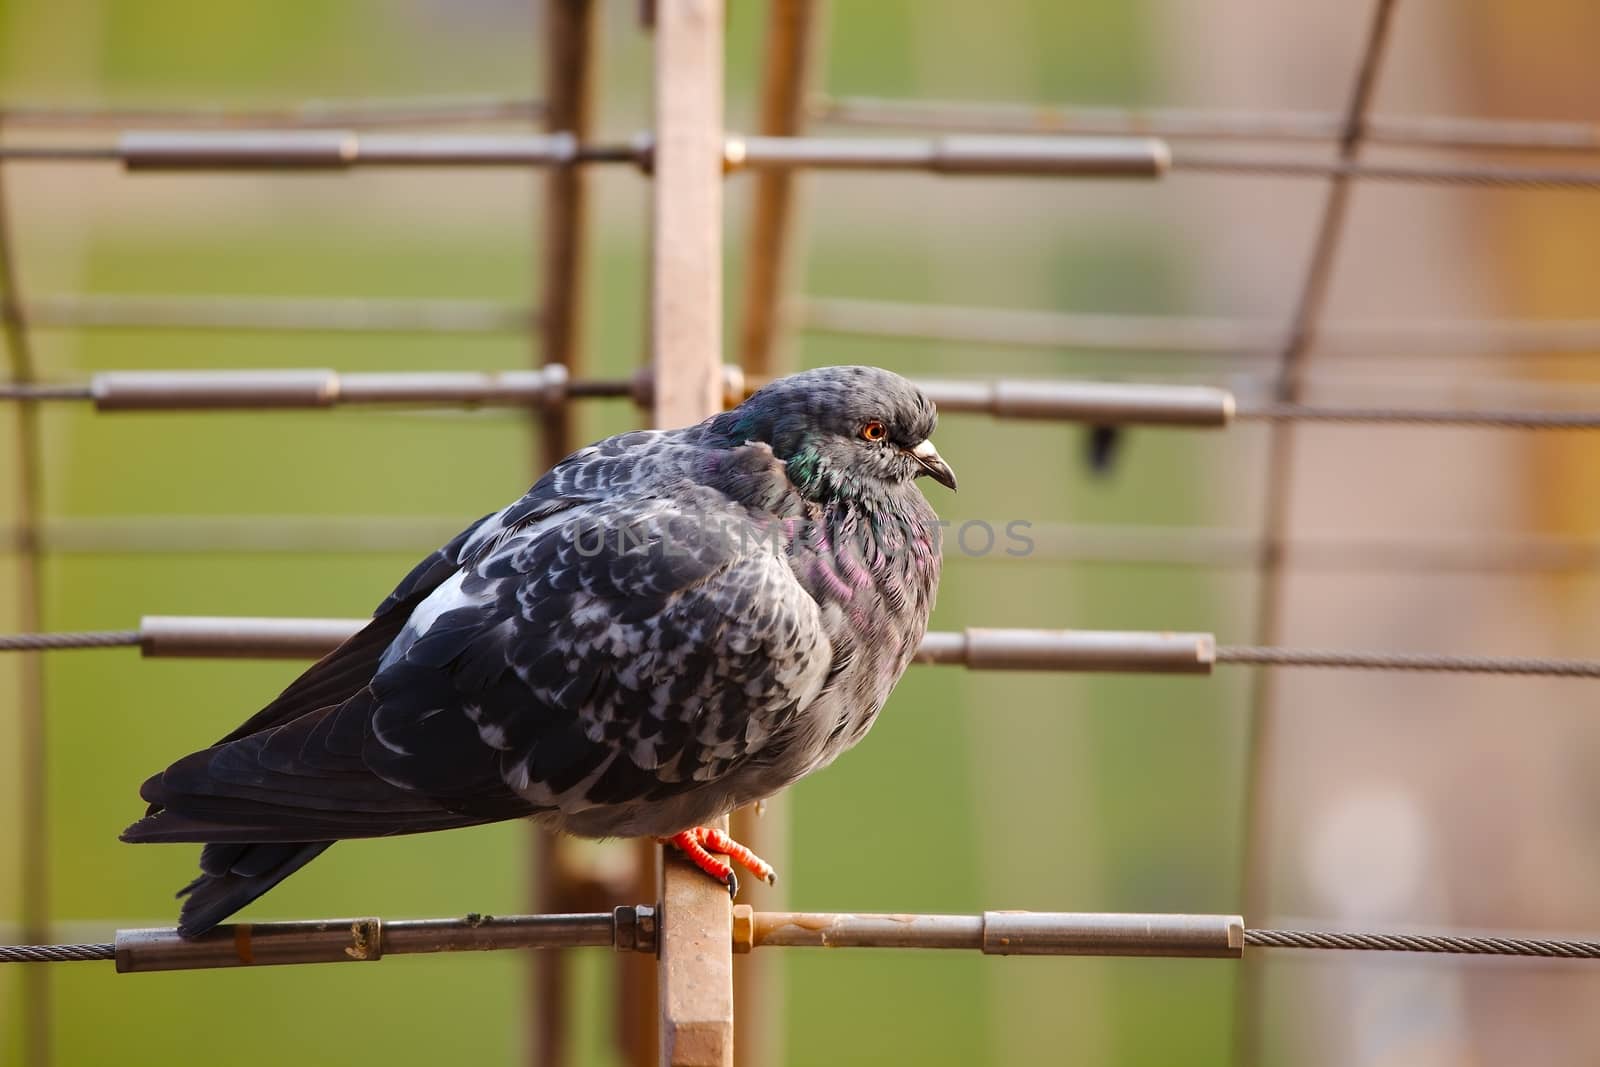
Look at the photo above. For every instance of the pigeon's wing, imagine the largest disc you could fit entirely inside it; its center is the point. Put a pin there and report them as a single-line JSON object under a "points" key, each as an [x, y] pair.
{"points": [[609, 651], [625, 651], [342, 673]]}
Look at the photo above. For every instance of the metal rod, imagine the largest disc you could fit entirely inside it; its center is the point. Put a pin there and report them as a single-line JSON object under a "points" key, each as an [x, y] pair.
{"points": [[1134, 157], [1100, 403], [1438, 132], [230, 390], [1056, 156], [1158, 652], [370, 939], [338, 150], [1001, 933], [321, 149], [634, 928], [1074, 650], [1097, 402], [204, 637], [998, 933]]}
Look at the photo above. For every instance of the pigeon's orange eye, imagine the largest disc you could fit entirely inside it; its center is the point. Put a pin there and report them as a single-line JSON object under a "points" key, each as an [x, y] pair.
{"points": [[874, 431]]}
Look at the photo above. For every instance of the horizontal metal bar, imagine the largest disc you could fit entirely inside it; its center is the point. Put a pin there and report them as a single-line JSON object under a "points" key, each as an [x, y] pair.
{"points": [[339, 149], [124, 311], [228, 390], [1490, 175], [1199, 335], [370, 939], [1140, 652], [997, 933], [1099, 402], [1070, 650], [1078, 650], [1492, 419], [1445, 132], [323, 149], [206, 636], [1082, 157], [422, 111], [635, 929]]}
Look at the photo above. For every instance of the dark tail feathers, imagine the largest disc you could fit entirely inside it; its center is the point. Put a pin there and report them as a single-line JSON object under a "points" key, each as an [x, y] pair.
{"points": [[232, 875]]}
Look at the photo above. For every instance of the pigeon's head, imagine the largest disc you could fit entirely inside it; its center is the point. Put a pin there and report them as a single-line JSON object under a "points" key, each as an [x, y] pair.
{"points": [[845, 431]]}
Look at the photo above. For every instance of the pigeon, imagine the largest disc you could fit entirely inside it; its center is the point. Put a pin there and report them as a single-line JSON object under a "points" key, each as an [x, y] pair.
{"points": [[669, 625]]}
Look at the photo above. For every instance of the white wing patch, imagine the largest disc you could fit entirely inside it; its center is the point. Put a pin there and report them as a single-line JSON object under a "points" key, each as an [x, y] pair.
{"points": [[448, 596]]}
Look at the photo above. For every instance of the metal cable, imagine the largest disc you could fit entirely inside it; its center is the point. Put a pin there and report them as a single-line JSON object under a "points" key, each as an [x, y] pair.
{"points": [[41, 391], [57, 953], [1407, 661], [1536, 947], [1487, 175], [1428, 131], [1548, 948], [83, 639], [1485, 419]]}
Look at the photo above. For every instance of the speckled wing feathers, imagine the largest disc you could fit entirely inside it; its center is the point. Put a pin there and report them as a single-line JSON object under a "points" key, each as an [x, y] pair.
{"points": [[626, 630]]}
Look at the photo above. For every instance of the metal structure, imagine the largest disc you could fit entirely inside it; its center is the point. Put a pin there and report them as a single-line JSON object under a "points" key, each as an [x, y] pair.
{"points": [[690, 927]]}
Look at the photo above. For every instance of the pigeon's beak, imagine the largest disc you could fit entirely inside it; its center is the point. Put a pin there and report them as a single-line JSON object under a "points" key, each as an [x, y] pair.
{"points": [[933, 465]]}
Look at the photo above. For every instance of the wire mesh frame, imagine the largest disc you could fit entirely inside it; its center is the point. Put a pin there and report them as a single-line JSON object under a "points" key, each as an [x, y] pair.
{"points": [[1340, 175]]}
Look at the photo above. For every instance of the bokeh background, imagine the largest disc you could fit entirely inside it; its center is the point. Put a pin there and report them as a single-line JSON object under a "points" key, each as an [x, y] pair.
{"points": [[1396, 801]]}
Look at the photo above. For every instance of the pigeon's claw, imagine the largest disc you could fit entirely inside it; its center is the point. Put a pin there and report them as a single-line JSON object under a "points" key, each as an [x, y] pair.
{"points": [[700, 842]]}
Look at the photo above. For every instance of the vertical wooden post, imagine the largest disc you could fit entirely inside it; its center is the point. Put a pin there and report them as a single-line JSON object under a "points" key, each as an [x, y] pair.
{"points": [[793, 28], [567, 37], [33, 857], [695, 974]]}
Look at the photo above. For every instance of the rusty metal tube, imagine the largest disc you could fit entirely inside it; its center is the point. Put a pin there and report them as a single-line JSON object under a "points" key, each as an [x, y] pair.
{"points": [[978, 649], [545, 386], [1074, 650], [203, 637], [1022, 933], [1102, 402], [800, 929], [336, 149], [213, 390], [997, 933], [477, 934], [1102, 157], [251, 944], [369, 939], [236, 390]]}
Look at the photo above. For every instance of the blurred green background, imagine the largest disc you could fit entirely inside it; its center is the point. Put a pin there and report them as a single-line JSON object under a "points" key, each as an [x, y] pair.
{"points": [[974, 792]]}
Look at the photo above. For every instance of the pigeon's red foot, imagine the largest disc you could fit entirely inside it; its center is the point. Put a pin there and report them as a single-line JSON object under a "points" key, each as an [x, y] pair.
{"points": [[699, 842]]}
